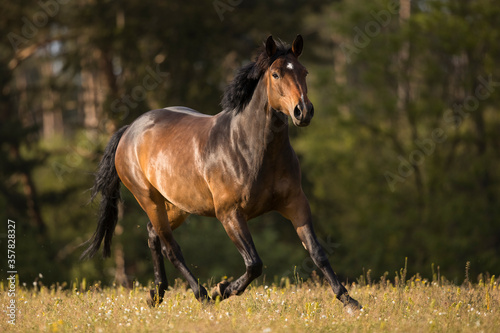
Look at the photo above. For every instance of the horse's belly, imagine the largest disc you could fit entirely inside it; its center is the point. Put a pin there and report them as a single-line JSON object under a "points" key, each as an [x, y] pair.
{"points": [[191, 197], [180, 183]]}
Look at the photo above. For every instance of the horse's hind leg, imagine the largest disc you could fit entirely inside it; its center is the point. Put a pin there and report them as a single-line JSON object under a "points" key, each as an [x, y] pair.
{"points": [[175, 217], [237, 230], [154, 205], [161, 283]]}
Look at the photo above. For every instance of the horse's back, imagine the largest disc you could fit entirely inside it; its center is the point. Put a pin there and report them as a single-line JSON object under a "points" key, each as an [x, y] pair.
{"points": [[185, 110], [174, 118]]}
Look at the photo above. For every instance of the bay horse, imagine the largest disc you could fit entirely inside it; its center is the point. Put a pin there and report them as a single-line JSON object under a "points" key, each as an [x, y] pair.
{"points": [[234, 166]]}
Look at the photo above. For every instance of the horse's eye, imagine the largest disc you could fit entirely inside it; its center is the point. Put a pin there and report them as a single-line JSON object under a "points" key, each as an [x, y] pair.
{"points": [[276, 76]]}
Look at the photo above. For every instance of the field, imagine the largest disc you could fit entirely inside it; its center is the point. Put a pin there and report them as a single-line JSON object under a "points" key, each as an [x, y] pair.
{"points": [[417, 305]]}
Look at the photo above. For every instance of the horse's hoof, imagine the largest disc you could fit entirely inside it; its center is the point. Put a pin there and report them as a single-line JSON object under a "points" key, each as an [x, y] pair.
{"points": [[202, 296], [352, 307], [219, 290], [154, 299]]}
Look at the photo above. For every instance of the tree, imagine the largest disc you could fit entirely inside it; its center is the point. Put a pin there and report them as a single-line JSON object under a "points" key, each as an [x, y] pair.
{"points": [[408, 155]]}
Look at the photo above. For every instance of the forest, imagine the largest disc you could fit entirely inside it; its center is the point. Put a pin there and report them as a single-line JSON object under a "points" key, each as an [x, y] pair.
{"points": [[400, 163]]}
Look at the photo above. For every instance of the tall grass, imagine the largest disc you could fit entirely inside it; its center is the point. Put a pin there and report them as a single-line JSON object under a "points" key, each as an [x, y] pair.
{"points": [[407, 305]]}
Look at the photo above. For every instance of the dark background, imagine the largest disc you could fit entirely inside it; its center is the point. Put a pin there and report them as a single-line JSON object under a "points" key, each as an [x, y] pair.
{"points": [[401, 160]]}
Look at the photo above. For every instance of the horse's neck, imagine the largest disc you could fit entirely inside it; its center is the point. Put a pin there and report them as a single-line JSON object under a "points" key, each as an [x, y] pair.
{"points": [[260, 129]]}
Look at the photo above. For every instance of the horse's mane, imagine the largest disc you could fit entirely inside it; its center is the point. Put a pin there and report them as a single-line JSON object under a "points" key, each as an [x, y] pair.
{"points": [[240, 91]]}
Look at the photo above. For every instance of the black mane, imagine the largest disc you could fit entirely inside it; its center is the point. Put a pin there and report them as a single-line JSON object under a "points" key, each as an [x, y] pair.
{"points": [[240, 91]]}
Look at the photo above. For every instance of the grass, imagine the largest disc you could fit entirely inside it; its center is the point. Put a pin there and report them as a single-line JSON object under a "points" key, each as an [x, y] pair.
{"points": [[415, 305]]}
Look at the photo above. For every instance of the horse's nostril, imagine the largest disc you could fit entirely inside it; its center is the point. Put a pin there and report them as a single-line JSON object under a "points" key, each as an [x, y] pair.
{"points": [[296, 112]]}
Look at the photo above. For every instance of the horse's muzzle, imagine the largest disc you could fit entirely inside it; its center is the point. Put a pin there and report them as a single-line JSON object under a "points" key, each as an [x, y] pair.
{"points": [[302, 114]]}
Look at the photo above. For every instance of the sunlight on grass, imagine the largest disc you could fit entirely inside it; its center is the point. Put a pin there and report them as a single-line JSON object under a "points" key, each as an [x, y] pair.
{"points": [[415, 305]]}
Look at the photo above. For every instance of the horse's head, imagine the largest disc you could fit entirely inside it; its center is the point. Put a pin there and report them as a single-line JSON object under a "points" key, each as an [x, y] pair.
{"points": [[287, 88]]}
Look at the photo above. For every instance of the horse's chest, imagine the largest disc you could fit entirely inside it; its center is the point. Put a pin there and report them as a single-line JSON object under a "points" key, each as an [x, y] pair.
{"points": [[262, 195], [253, 186]]}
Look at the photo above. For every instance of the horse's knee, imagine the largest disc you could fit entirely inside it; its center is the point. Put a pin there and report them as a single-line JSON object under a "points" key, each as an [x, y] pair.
{"points": [[255, 269]]}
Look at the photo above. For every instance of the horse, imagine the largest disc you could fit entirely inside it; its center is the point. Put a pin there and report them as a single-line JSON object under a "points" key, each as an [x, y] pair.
{"points": [[235, 165]]}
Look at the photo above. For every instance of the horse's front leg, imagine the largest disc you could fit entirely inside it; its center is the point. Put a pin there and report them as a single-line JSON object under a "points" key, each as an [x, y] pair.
{"points": [[237, 230], [299, 212]]}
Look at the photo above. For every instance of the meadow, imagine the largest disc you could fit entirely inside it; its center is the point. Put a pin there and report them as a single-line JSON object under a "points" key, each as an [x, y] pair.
{"points": [[413, 305]]}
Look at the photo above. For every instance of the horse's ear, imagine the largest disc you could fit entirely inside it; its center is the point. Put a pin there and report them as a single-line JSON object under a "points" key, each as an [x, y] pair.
{"points": [[270, 46], [297, 46]]}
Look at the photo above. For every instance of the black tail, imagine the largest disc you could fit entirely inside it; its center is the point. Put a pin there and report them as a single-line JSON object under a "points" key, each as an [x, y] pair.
{"points": [[108, 183]]}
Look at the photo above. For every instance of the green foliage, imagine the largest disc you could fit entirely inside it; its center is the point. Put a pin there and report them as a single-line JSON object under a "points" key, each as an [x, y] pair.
{"points": [[435, 210]]}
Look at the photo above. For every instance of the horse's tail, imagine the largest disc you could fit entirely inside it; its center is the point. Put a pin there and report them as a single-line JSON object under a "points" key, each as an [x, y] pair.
{"points": [[107, 183]]}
